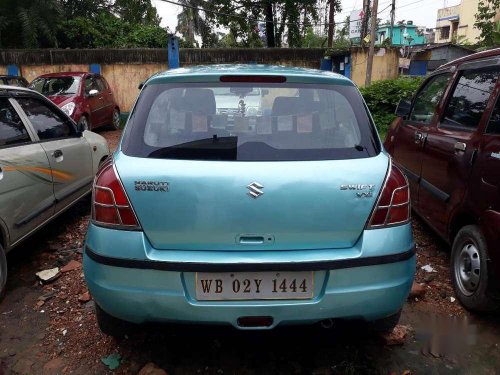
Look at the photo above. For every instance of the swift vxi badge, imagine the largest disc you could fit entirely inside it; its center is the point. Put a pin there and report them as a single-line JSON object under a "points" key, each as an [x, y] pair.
{"points": [[362, 190], [158, 186]]}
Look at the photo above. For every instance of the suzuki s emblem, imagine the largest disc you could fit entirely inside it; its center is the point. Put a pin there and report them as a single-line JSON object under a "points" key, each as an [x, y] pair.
{"points": [[255, 190]]}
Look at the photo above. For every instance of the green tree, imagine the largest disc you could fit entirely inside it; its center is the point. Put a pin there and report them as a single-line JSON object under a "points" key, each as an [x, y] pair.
{"points": [[137, 12], [311, 39], [29, 24], [241, 18], [486, 12], [84, 8]]}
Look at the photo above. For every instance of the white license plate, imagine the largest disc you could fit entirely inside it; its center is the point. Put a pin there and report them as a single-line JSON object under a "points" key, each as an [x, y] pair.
{"points": [[214, 286]]}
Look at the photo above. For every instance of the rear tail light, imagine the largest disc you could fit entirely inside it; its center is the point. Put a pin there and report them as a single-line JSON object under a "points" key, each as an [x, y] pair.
{"points": [[393, 205], [110, 204]]}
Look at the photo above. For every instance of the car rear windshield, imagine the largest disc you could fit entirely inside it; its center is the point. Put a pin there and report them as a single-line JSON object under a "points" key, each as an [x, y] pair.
{"points": [[250, 122], [52, 86]]}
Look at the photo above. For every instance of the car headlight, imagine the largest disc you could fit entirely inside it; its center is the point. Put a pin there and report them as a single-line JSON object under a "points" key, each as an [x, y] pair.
{"points": [[68, 108]]}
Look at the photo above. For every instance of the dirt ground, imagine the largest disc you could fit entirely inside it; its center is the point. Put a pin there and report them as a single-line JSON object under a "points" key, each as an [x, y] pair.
{"points": [[51, 328]]}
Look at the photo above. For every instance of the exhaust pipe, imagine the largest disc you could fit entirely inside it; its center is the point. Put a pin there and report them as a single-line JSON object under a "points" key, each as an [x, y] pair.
{"points": [[327, 323]]}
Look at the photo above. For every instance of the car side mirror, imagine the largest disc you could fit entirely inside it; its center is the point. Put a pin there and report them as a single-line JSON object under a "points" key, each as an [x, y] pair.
{"points": [[93, 92], [404, 107]]}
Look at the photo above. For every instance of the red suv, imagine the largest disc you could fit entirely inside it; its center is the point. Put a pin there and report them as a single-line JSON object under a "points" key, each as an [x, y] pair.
{"points": [[85, 97], [447, 140]]}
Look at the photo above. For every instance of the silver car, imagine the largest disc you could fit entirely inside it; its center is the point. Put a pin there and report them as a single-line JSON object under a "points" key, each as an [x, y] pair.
{"points": [[46, 165]]}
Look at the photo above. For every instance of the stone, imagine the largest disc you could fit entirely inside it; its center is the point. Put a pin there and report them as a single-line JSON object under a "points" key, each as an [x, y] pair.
{"points": [[417, 290], [48, 275], [151, 369], [71, 266], [429, 277], [84, 297], [397, 336]]}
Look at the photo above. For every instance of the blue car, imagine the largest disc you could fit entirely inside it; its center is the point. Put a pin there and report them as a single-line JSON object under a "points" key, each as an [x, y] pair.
{"points": [[251, 196]]}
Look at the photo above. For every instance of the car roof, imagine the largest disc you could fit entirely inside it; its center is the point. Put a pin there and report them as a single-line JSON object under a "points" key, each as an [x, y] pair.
{"points": [[495, 52], [64, 74], [212, 73], [6, 88]]}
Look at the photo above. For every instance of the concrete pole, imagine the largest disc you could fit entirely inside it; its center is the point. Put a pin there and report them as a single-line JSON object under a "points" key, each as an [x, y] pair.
{"points": [[331, 23], [393, 16], [371, 52]]}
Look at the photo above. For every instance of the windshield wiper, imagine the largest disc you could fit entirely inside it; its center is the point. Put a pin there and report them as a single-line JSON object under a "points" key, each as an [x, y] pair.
{"points": [[213, 148]]}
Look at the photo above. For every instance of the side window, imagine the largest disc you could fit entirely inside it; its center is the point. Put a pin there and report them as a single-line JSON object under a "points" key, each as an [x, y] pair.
{"points": [[427, 100], [101, 84], [91, 84], [48, 123], [469, 99], [12, 130], [494, 123]]}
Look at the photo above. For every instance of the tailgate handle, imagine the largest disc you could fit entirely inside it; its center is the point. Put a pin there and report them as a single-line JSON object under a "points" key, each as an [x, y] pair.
{"points": [[251, 240], [255, 239]]}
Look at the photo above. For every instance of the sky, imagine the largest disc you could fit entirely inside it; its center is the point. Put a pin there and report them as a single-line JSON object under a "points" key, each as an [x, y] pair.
{"points": [[421, 12]]}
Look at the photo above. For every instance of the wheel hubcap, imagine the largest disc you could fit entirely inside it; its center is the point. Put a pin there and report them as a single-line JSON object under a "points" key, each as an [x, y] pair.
{"points": [[116, 119], [84, 124], [468, 269]]}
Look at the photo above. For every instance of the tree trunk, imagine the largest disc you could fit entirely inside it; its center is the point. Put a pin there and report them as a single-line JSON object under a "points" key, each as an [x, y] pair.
{"points": [[271, 42], [331, 23]]}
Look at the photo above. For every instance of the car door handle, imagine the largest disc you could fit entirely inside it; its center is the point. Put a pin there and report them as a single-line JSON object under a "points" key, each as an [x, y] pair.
{"points": [[460, 147], [419, 137], [57, 154]]}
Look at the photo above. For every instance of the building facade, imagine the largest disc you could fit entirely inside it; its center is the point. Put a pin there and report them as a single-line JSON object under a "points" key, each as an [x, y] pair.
{"points": [[456, 24], [402, 35]]}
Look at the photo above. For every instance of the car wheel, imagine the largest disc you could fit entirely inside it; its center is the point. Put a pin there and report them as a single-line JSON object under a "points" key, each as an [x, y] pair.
{"points": [[112, 326], [3, 270], [386, 325], [469, 265], [116, 120], [84, 123]]}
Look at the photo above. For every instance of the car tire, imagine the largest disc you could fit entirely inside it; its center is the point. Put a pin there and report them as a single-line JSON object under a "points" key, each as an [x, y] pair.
{"points": [[386, 325], [469, 266], [84, 123], [111, 326], [115, 121], [3, 271]]}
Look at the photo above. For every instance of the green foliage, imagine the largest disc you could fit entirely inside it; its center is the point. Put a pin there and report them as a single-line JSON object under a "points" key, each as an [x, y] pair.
{"points": [[382, 98], [490, 31], [107, 31], [311, 39], [294, 16], [29, 23], [81, 24]]}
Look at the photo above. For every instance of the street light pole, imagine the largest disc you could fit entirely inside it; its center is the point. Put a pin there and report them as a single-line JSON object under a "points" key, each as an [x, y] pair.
{"points": [[371, 51]]}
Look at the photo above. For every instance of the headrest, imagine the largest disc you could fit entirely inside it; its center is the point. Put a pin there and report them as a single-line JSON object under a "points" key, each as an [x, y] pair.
{"points": [[202, 101], [286, 105]]}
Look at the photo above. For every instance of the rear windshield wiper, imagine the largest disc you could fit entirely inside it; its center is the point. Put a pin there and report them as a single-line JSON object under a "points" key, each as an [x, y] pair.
{"points": [[213, 148]]}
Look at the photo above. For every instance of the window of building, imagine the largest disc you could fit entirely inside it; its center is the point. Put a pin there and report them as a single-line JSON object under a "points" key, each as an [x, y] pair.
{"points": [[445, 32]]}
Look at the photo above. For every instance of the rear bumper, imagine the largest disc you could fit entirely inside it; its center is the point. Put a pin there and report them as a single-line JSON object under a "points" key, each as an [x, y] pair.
{"points": [[161, 287]]}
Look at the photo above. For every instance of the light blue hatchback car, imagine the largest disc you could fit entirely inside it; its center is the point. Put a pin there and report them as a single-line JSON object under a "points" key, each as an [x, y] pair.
{"points": [[251, 196]]}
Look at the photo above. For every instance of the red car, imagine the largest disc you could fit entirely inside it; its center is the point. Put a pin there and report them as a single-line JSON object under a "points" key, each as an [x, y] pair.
{"points": [[85, 97], [447, 140]]}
